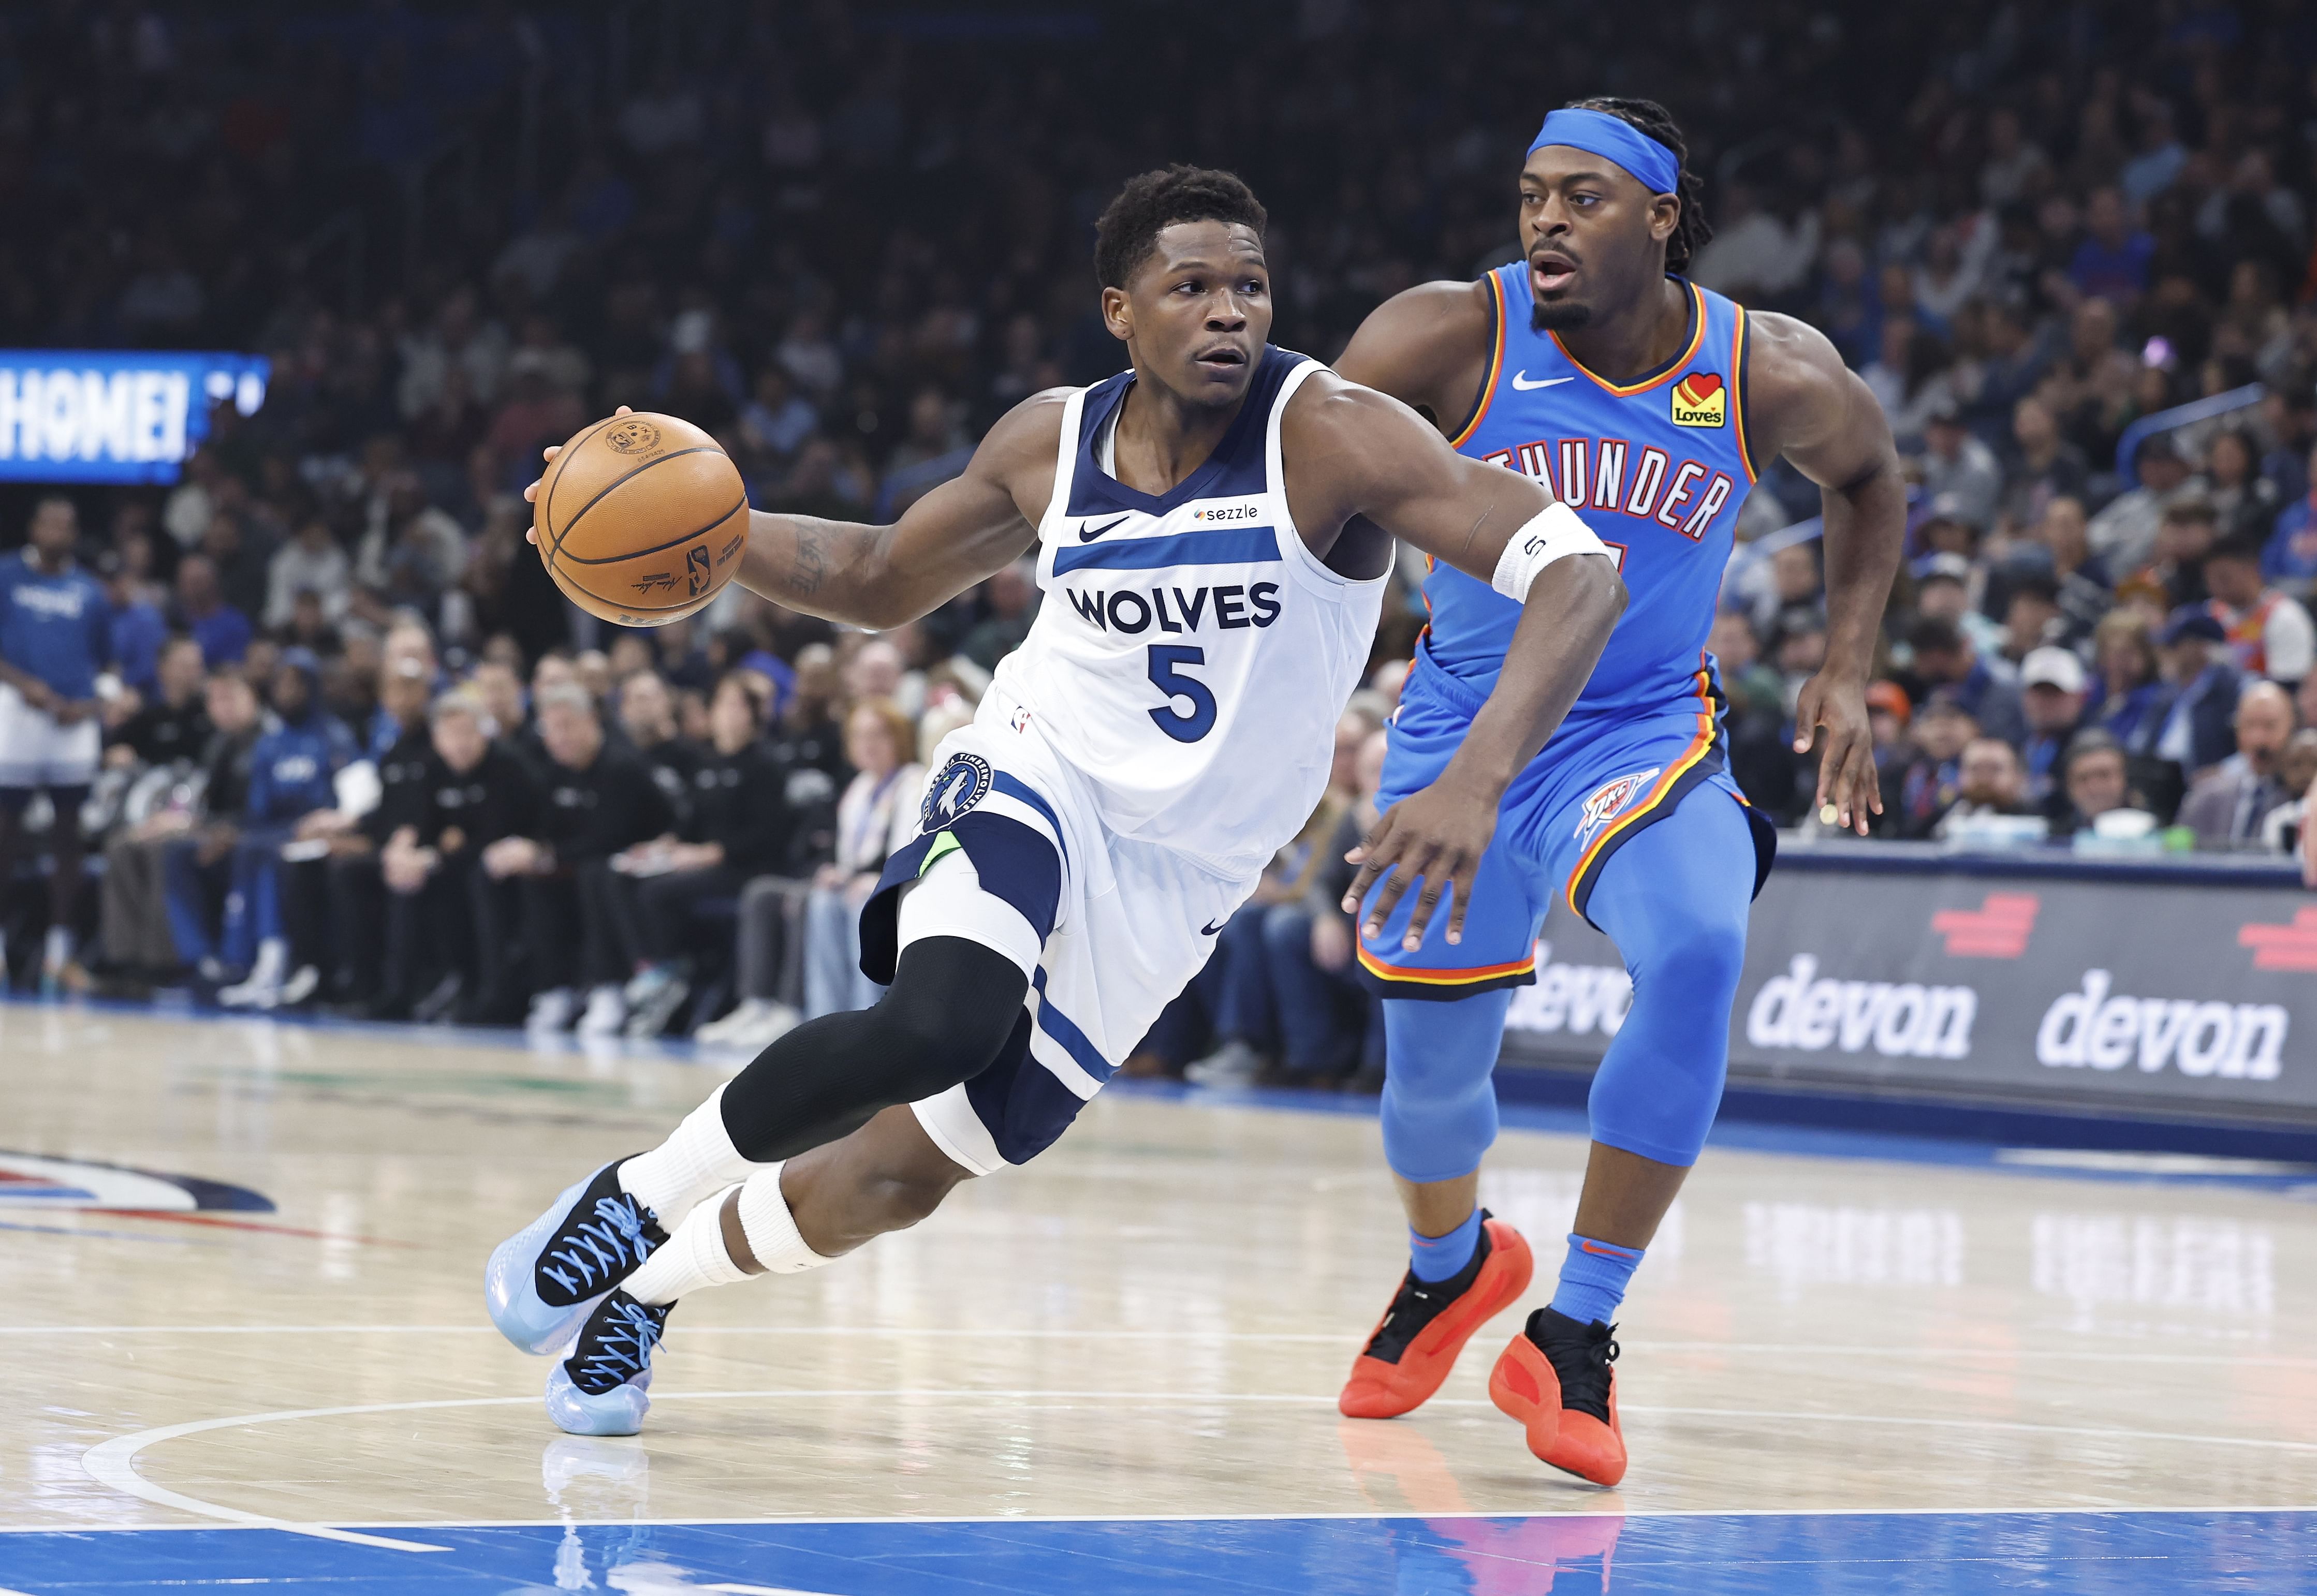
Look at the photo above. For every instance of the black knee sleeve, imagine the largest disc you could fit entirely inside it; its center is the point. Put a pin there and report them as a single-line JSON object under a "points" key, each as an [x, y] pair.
{"points": [[951, 1009]]}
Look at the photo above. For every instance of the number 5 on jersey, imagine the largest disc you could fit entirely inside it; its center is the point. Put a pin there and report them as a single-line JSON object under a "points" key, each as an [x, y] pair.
{"points": [[1165, 675]]}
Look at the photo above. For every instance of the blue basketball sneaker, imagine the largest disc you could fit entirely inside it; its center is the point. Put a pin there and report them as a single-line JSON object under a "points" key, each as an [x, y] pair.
{"points": [[542, 1280], [602, 1386]]}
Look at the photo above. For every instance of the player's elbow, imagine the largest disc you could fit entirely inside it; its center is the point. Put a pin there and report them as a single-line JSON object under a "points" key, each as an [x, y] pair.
{"points": [[1597, 588]]}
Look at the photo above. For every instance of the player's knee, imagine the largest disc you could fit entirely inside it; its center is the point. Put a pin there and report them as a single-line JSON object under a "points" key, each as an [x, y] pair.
{"points": [[1700, 958], [900, 1197], [1437, 1135], [951, 1008]]}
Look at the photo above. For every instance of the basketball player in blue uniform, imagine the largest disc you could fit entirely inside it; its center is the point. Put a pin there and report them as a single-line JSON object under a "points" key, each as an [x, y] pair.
{"points": [[56, 635], [1648, 404], [1213, 532]]}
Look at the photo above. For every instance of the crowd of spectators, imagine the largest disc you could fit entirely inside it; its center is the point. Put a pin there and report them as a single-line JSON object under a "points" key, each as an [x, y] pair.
{"points": [[845, 244]]}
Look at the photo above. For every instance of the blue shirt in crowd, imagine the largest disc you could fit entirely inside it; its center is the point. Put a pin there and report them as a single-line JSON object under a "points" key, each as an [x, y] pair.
{"points": [[294, 766], [56, 628], [139, 631], [224, 635], [2290, 555]]}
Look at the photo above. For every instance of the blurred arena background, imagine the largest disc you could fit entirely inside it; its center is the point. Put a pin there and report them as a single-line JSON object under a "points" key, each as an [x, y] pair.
{"points": [[289, 303]]}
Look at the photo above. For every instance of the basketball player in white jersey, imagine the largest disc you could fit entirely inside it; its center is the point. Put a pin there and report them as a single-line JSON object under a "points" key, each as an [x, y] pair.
{"points": [[1214, 530]]}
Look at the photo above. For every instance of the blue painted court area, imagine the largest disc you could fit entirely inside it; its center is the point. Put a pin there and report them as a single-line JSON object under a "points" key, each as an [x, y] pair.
{"points": [[1885, 1554]]}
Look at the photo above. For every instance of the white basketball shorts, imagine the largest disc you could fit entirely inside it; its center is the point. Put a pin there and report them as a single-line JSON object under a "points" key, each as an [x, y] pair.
{"points": [[1010, 853]]}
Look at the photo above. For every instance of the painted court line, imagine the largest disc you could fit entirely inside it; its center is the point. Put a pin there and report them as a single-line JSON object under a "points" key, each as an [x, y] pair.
{"points": [[948, 1332], [1315, 1515], [112, 1462]]}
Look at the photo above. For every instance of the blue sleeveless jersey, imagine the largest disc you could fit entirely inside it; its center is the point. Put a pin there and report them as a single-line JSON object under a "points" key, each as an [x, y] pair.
{"points": [[1657, 467]]}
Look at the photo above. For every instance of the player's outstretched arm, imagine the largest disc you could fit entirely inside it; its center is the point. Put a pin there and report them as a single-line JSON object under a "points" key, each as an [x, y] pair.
{"points": [[1363, 453], [1809, 407], [963, 531]]}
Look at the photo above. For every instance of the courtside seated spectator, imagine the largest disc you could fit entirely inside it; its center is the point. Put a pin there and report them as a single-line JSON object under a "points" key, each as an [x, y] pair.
{"points": [[2226, 806], [170, 725], [877, 814], [598, 799], [449, 936], [293, 776], [2095, 781], [735, 828], [197, 820], [334, 903], [1990, 785]]}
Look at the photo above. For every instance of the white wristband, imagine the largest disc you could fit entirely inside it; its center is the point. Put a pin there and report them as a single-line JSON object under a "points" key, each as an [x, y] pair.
{"points": [[1555, 534]]}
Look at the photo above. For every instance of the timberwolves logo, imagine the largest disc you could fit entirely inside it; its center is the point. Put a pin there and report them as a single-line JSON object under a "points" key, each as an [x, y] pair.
{"points": [[1609, 800], [635, 435], [1699, 400], [956, 787]]}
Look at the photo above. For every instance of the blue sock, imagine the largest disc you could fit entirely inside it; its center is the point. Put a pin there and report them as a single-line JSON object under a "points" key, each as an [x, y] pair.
{"points": [[1437, 1257], [1593, 1278]]}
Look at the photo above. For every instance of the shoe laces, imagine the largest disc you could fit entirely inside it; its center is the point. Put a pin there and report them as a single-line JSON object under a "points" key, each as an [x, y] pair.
{"points": [[1418, 1302], [617, 1343], [613, 1239], [1582, 1363]]}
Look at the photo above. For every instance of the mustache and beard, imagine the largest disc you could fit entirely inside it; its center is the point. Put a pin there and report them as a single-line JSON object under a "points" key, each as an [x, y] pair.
{"points": [[1558, 318]]}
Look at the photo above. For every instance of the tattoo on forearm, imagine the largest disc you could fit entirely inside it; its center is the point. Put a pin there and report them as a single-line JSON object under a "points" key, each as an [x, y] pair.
{"points": [[811, 566]]}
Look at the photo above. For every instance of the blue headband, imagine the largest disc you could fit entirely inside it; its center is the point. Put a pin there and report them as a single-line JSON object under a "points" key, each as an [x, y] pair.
{"points": [[1614, 138]]}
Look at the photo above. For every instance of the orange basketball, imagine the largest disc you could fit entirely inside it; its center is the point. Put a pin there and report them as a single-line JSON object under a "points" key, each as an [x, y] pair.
{"points": [[641, 518]]}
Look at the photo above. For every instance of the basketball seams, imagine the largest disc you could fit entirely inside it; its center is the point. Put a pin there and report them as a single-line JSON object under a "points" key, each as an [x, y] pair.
{"points": [[584, 595], [555, 553], [687, 607], [563, 459], [613, 559]]}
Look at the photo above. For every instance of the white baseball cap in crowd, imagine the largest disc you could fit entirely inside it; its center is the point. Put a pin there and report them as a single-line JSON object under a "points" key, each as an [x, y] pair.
{"points": [[2052, 667]]}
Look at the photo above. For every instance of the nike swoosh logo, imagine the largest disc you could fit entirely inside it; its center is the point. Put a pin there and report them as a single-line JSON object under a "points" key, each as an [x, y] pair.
{"points": [[1526, 386], [1208, 931], [1089, 534]]}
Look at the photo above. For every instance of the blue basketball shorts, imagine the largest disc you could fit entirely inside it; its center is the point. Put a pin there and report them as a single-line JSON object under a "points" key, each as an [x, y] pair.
{"points": [[1600, 781]]}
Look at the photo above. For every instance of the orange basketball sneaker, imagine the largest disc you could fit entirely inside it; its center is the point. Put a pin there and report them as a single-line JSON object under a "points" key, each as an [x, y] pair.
{"points": [[1429, 1323], [1555, 1379]]}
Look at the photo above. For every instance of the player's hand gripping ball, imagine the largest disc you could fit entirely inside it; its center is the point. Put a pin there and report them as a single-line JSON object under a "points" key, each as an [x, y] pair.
{"points": [[641, 518]]}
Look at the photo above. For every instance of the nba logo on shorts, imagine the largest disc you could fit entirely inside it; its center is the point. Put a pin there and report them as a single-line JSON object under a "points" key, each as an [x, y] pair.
{"points": [[956, 787], [1611, 799]]}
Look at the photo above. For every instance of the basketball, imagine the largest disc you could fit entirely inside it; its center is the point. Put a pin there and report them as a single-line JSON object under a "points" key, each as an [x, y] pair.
{"points": [[641, 518]]}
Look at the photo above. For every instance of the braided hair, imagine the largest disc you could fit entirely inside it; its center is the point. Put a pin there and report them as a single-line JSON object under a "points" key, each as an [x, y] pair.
{"points": [[1648, 117]]}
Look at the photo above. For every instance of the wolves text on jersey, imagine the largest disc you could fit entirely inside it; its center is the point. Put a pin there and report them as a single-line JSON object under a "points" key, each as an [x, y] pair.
{"points": [[1230, 607], [1589, 474]]}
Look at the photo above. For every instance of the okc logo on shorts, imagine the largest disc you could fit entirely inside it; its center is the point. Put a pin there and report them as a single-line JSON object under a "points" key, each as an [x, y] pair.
{"points": [[1605, 802], [959, 785]]}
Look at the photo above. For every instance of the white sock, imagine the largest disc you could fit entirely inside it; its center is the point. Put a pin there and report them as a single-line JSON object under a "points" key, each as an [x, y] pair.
{"points": [[696, 1258], [697, 1159], [691, 1260], [771, 1229]]}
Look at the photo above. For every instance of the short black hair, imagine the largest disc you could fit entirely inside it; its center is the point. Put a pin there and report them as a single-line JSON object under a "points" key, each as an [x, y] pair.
{"points": [[1935, 634], [1652, 119], [1130, 225], [2248, 547]]}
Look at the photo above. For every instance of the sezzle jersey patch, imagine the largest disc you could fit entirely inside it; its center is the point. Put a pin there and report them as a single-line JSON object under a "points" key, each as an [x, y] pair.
{"points": [[1700, 399], [963, 781], [1605, 802]]}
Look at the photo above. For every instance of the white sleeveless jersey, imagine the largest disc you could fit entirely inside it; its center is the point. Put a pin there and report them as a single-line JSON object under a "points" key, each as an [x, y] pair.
{"points": [[1192, 655]]}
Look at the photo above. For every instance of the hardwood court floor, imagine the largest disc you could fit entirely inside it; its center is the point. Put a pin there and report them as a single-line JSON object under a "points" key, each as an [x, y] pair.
{"points": [[1150, 1323]]}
